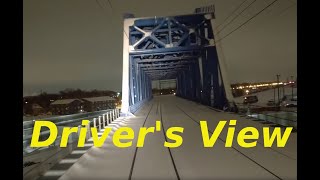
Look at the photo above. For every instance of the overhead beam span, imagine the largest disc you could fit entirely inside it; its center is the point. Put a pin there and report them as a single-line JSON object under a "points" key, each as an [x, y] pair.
{"points": [[180, 47], [168, 59]]}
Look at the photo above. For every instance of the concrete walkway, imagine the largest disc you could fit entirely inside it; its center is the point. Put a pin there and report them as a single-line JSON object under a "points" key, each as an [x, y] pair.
{"points": [[189, 161]]}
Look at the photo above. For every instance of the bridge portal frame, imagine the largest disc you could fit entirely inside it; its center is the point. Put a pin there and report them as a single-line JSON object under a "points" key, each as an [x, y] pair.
{"points": [[181, 47]]}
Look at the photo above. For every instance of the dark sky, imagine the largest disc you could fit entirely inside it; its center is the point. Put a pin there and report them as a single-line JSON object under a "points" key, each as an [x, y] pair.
{"points": [[77, 44]]}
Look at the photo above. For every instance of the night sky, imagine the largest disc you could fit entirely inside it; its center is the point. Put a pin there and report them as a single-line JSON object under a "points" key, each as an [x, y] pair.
{"points": [[78, 44]]}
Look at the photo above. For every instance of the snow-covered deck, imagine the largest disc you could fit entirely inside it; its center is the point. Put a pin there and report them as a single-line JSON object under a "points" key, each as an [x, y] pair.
{"points": [[189, 161]]}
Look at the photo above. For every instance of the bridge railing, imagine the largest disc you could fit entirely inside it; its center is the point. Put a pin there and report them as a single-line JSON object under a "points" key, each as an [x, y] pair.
{"points": [[98, 119], [272, 114], [38, 160]]}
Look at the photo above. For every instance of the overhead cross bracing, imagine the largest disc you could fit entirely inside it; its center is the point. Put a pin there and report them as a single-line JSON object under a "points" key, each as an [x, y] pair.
{"points": [[176, 47]]}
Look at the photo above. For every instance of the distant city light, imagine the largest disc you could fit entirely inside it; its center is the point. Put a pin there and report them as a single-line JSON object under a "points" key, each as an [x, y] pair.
{"points": [[26, 102], [259, 85], [174, 93], [247, 91]]}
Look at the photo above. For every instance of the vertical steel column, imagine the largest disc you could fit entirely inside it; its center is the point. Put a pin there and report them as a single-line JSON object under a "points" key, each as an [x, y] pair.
{"points": [[137, 87], [142, 85], [201, 76], [179, 86], [125, 67], [206, 66], [132, 81], [198, 84], [140, 80], [222, 64], [145, 85]]}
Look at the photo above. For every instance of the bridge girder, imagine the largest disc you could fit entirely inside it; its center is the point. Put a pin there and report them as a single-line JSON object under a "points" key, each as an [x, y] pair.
{"points": [[180, 47]]}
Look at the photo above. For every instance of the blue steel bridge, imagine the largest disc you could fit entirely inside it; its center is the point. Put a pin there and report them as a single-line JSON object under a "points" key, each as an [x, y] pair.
{"points": [[184, 48], [178, 47]]}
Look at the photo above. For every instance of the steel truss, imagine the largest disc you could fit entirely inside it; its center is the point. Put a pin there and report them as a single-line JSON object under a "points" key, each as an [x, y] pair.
{"points": [[177, 47]]}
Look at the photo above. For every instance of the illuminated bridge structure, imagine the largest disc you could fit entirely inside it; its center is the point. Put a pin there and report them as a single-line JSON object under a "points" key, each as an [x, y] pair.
{"points": [[176, 47], [181, 48]]}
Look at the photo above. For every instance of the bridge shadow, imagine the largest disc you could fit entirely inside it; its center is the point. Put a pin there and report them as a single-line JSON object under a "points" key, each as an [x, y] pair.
{"points": [[62, 166]]}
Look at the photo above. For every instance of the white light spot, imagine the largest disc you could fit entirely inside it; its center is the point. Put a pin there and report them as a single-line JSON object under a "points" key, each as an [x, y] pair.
{"points": [[88, 145], [54, 173], [78, 152], [68, 161]]}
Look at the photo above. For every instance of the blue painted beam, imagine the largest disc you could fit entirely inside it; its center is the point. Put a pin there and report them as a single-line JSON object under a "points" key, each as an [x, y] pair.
{"points": [[165, 50]]}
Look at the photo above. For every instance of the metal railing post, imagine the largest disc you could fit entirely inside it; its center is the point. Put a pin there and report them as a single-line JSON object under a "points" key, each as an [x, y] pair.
{"points": [[88, 132], [79, 130], [107, 115], [99, 121], [104, 120], [266, 117], [94, 122], [248, 112]]}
